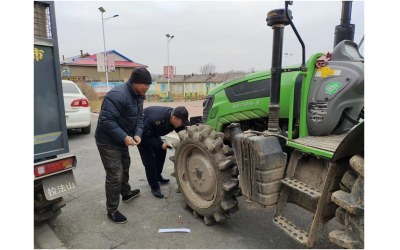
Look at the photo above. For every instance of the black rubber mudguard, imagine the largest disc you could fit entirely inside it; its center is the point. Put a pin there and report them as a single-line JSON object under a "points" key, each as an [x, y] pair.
{"points": [[352, 144]]}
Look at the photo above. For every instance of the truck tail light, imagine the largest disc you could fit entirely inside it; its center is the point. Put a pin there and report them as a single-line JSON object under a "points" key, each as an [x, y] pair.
{"points": [[80, 103], [54, 166]]}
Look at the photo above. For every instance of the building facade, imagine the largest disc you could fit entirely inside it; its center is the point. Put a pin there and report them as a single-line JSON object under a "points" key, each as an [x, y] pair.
{"points": [[85, 67], [195, 84]]}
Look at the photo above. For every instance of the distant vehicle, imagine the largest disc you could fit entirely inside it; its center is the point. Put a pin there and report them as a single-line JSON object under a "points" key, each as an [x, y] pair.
{"points": [[77, 109]]}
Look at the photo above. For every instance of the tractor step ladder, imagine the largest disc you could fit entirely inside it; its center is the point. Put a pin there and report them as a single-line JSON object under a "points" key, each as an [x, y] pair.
{"points": [[342, 238], [289, 183]]}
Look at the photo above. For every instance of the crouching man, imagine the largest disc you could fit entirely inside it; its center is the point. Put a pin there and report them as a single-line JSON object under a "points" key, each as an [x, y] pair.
{"points": [[159, 121]]}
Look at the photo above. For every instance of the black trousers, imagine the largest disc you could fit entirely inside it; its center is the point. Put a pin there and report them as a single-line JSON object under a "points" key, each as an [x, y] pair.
{"points": [[116, 162], [153, 160]]}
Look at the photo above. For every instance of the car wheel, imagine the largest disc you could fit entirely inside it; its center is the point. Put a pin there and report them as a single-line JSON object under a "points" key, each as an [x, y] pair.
{"points": [[87, 129]]}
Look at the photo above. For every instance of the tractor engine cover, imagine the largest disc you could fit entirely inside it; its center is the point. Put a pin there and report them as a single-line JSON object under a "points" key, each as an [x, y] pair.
{"points": [[261, 163], [336, 88]]}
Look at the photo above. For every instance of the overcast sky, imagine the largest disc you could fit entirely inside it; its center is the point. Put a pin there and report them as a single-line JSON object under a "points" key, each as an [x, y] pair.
{"points": [[232, 35]]}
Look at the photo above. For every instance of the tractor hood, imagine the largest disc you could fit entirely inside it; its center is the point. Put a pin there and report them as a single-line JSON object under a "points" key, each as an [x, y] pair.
{"points": [[245, 78]]}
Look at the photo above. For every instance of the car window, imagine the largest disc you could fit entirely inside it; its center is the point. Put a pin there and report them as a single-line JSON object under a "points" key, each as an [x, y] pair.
{"points": [[70, 88]]}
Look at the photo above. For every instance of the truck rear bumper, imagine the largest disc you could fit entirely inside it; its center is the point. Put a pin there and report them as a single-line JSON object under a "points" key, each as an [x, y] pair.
{"points": [[59, 183], [60, 157]]}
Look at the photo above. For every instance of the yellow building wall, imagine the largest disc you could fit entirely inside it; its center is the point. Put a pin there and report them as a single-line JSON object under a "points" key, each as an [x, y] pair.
{"points": [[174, 88], [187, 88], [158, 88], [201, 89]]}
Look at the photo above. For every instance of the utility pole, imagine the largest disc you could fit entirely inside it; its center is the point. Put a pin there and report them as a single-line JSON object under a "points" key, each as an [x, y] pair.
{"points": [[168, 36], [103, 20]]}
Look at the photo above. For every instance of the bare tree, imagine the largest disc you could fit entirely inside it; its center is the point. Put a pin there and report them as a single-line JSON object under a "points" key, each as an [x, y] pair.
{"points": [[236, 72], [207, 69], [233, 71]]}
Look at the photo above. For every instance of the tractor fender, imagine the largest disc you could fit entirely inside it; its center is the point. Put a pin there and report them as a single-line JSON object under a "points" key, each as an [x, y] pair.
{"points": [[352, 144]]}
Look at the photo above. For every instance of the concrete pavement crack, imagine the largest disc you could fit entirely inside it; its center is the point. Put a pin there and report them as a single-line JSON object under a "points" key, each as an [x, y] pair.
{"points": [[165, 205], [107, 237], [75, 197], [114, 247]]}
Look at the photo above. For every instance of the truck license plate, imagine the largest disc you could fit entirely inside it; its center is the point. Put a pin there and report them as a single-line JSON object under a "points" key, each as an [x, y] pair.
{"points": [[58, 185]]}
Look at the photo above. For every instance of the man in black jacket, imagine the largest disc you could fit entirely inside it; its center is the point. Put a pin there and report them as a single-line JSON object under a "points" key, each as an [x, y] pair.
{"points": [[120, 125], [159, 121]]}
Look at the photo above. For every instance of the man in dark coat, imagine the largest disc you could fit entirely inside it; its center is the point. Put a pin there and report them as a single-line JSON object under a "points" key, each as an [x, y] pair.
{"points": [[120, 125], [159, 121]]}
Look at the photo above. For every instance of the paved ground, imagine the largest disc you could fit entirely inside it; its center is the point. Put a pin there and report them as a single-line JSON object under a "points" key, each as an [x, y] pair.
{"points": [[84, 224], [45, 238]]}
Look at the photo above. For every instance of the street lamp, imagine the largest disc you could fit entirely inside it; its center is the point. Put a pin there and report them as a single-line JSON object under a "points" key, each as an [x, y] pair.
{"points": [[170, 37], [287, 56], [103, 20]]}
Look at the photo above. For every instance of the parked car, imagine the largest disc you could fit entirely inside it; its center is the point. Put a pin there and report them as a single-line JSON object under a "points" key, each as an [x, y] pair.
{"points": [[77, 109]]}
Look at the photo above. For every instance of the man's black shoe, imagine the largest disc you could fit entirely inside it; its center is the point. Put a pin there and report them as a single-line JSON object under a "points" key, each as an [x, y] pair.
{"points": [[162, 180], [158, 193], [117, 217], [131, 195]]}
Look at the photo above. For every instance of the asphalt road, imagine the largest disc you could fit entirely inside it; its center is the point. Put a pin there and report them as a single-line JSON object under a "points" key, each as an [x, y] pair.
{"points": [[84, 223]]}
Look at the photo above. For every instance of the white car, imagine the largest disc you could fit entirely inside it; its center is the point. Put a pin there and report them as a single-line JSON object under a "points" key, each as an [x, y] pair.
{"points": [[77, 109]]}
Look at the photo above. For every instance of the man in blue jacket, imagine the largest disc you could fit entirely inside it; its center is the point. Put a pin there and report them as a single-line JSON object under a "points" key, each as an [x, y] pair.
{"points": [[159, 121], [120, 125]]}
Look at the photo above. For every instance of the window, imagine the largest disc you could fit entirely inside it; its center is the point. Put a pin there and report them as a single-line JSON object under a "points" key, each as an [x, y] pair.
{"points": [[42, 23], [69, 88], [248, 90]]}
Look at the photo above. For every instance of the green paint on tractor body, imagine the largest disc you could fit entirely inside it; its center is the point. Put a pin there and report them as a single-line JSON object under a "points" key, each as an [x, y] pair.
{"points": [[224, 112]]}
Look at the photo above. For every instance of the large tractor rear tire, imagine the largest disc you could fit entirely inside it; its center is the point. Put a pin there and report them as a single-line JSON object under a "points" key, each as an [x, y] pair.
{"points": [[350, 212], [206, 173]]}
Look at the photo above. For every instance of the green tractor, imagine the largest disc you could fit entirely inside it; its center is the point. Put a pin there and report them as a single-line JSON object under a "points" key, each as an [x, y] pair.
{"points": [[292, 134]]}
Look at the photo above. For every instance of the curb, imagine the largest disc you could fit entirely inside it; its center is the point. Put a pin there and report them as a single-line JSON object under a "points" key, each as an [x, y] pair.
{"points": [[45, 238]]}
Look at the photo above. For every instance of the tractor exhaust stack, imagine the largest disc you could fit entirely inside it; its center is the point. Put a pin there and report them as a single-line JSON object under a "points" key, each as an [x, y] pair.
{"points": [[345, 31], [277, 20]]}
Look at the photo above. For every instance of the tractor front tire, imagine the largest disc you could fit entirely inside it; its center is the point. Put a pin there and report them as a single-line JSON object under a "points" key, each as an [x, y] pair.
{"points": [[206, 174]]}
